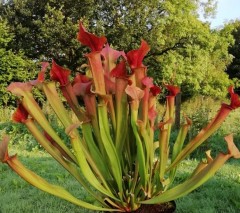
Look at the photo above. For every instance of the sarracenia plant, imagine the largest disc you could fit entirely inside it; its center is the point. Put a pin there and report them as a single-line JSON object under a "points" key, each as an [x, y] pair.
{"points": [[113, 154]]}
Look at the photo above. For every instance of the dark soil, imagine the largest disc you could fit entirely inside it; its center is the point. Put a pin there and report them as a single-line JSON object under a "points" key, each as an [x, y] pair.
{"points": [[157, 208]]}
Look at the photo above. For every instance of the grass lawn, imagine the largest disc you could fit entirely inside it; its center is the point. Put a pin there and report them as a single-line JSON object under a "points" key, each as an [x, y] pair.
{"points": [[220, 194]]}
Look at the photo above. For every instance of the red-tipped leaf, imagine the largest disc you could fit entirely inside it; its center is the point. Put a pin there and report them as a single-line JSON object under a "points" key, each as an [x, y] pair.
{"points": [[19, 88], [20, 115], [134, 92], [120, 70], [235, 101], [94, 42], [155, 90], [173, 90], [110, 58], [135, 57], [81, 85], [4, 149], [232, 149], [59, 74], [147, 82]]}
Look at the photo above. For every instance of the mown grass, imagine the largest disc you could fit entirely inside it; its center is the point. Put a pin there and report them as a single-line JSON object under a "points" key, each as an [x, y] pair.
{"points": [[18, 196], [220, 194]]}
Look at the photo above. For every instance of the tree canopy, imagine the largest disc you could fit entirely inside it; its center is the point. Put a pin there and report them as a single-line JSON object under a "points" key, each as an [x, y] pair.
{"points": [[183, 48], [13, 66], [233, 69]]}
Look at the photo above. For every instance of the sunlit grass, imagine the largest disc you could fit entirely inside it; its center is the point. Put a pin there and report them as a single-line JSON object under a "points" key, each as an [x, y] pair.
{"points": [[18, 196], [220, 194]]}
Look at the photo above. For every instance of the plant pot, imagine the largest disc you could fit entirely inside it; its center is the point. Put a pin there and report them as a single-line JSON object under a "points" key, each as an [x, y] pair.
{"points": [[168, 207]]}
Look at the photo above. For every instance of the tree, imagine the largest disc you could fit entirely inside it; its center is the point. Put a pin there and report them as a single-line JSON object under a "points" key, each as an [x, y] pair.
{"points": [[47, 28], [233, 69], [13, 66], [200, 64], [181, 45]]}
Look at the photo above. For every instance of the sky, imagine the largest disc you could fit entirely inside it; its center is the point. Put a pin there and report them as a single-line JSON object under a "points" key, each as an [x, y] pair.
{"points": [[226, 10]]}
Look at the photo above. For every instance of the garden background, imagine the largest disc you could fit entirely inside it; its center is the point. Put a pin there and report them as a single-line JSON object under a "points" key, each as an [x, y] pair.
{"points": [[185, 51]]}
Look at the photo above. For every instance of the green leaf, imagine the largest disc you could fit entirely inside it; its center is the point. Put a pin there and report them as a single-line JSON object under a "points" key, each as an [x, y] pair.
{"points": [[190, 184], [114, 161], [40, 183]]}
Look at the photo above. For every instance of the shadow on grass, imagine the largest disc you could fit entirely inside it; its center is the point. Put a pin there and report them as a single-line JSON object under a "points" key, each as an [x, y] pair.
{"points": [[221, 194]]}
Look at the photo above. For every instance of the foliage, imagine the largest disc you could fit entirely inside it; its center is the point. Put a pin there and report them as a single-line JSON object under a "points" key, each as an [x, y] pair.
{"points": [[5, 114], [13, 66], [22, 138], [112, 136], [180, 43], [19, 136], [233, 69], [40, 23], [204, 110]]}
